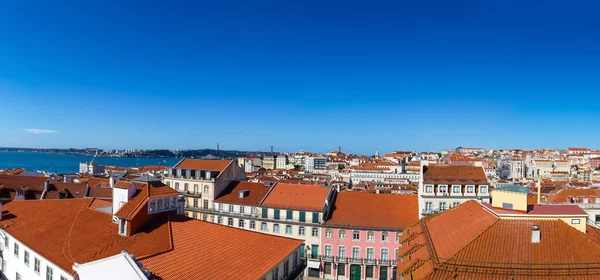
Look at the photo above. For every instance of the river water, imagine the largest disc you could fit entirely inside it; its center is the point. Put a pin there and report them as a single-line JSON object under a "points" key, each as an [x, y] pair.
{"points": [[70, 163]]}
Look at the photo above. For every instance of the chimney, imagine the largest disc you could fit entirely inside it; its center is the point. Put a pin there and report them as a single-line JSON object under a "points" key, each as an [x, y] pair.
{"points": [[539, 191], [535, 234]]}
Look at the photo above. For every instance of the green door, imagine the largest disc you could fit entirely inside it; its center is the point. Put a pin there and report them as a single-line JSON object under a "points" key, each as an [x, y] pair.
{"points": [[394, 274], [355, 272], [314, 251], [383, 273]]}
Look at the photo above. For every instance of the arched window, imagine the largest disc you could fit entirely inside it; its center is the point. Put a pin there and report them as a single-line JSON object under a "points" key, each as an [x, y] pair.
{"points": [[205, 188], [196, 188], [185, 187], [176, 186], [168, 183]]}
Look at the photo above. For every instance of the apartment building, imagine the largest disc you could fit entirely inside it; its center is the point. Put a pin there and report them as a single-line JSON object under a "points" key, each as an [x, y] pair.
{"points": [[360, 239], [269, 162], [287, 210], [315, 163], [543, 168], [442, 187], [200, 181], [70, 239]]}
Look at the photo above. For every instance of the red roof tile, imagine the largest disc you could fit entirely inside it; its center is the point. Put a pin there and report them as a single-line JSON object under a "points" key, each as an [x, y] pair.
{"points": [[365, 210], [257, 192], [204, 164], [296, 196]]}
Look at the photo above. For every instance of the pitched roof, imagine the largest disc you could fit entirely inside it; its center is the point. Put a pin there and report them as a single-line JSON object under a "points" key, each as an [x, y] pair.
{"points": [[203, 164], [564, 195], [144, 191], [296, 196], [257, 192], [374, 211], [73, 190], [245, 251], [69, 230], [467, 242], [35, 183], [449, 173]]}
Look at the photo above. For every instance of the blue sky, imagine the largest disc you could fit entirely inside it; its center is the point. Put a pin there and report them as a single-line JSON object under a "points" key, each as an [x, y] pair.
{"points": [[312, 75]]}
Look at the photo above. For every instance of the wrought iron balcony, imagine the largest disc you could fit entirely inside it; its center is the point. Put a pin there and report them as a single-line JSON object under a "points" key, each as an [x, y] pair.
{"points": [[314, 257], [341, 259], [394, 262], [370, 261], [193, 194], [327, 258], [385, 262], [355, 260]]}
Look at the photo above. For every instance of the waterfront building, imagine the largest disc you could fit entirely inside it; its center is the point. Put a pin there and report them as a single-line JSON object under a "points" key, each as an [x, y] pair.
{"points": [[91, 168], [200, 181]]}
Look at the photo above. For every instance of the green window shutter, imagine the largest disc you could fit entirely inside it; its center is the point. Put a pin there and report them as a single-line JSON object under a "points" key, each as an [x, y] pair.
{"points": [[289, 214], [315, 217], [276, 216], [265, 212], [302, 216]]}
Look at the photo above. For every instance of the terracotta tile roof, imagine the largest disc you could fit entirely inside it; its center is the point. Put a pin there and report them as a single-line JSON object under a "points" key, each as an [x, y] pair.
{"points": [[152, 168], [245, 251], [35, 183], [365, 210], [204, 164], [99, 203], [144, 191], [454, 228], [95, 182], [564, 195], [448, 173], [257, 192], [158, 189], [44, 225], [123, 184], [296, 196], [556, 210], [100, 192], [73, 190]]}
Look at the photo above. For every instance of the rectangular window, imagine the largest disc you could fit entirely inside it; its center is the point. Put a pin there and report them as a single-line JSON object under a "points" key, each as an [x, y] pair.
{"points": [[355, 252], [370, 236], [315, 218], [252, 225], [159, 205], [230, 208], [48, 273], [573, 221], [315, 232], [286, 268], [456, 189], [195, 204], [276, 214], [36, 265], [341, 269], [301, 231], [16, 250], [470, 189], [327, 268], [429, 189], [483, 189], [241, 223], [289, 214], [276, 228], [328, 250], [369, 271], [384, 254], [342, 234], [370, 253], [173, 202], [230, 222], [263, 226], [205, 204], [356, 235], [18, 276], [302, 216], [219, 220], [6, 242], [265, 213], [385, 237], [152, 206], [428, 206], [288, 229], [342, 251], [26, 260]]}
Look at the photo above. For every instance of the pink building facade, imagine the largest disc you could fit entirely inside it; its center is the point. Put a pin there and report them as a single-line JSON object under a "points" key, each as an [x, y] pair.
{"points": [[350, 253]]}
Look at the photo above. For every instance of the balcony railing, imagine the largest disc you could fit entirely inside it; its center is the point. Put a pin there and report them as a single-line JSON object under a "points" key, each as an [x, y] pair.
{"points": [[314, 257], [395, 262], [341, 259], [370, 261], [327, 258], [194, 194], [384, 262], [355, 260]]}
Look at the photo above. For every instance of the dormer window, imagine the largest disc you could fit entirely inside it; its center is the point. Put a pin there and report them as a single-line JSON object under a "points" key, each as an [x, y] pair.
{"points": [[20, 193], [456, 189], [443, 189], [428, 188], [483, 189], [159, 205], [152, 207], [470, 189]]}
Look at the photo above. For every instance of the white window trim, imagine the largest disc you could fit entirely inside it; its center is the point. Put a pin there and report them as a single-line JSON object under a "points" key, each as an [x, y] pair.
{"points": [[367, 252], [381, 253], [467, 189], [459, 189]]}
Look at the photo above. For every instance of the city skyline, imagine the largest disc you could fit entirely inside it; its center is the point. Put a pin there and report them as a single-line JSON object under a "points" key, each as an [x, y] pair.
{"points": [[309, 75]]}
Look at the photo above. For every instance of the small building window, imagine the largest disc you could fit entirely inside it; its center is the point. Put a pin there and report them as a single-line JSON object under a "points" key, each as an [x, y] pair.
{"points": [[241, 223], [16, 250], [230, 222], [49, 273], [370, 236], [176, 186], [573, 221], [315, 232], [152, 207], [328, 233], [263, 226], [288, 229], [356, 235], [252, 225], [301, 231], [369, 271], [276, 228], [384, 237], [26, 260], [342, 234], [186, 187], [206, 188], [219, 220]]}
